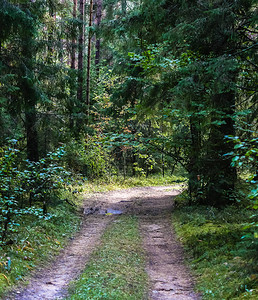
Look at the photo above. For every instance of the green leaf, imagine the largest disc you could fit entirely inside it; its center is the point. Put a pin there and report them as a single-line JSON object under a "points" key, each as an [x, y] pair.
{"points": [[236, 158]]}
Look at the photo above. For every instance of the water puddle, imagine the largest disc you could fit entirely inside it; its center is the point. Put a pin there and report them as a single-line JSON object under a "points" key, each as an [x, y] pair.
{"points": [[98, 211], [110, 211], [114, 211]]}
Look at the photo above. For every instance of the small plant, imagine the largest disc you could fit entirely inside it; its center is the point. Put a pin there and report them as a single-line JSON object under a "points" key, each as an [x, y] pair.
{"points": [[27, 187], [46, 178], [11, 190], [88, 158], [245, 156]]}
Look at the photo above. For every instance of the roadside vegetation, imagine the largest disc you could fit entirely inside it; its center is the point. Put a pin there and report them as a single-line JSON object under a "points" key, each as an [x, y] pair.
{"points": [[36, 242], [219, 243], [220, 248]]}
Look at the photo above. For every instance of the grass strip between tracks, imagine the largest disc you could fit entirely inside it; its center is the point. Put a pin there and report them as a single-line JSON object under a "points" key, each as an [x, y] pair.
{"points": [[116, 270]]}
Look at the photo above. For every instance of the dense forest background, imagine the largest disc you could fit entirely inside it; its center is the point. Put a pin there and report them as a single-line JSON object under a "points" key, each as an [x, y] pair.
{"points": [[105, 88]]}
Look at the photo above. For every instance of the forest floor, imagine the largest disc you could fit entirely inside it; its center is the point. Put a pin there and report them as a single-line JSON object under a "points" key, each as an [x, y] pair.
{"points": [[169, 278]]}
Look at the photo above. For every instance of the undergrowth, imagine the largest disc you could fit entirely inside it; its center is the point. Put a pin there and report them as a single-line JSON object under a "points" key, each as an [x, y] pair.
{"points": [[222, 256], [116, 270], [38, 239]]}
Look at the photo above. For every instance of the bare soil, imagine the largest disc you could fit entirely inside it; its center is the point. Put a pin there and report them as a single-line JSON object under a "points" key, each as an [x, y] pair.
{"points": [[169, 277]]}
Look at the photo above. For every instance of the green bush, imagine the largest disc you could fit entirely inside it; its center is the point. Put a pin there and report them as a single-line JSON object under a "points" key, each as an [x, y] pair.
{"points": [[88, 158], [245, 156], [27, 187]]}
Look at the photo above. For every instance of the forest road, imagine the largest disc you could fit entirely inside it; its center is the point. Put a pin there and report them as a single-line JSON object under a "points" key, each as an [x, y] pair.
{"points": [[168, 276]]}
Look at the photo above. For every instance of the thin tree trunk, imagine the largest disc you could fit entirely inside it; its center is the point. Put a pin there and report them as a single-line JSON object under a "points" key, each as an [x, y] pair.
{"points": [[163, 165], [52, 16], [124, 163], [30, 97], [81, 50], [74, 75], [31, 132], [193, 167], [73, 54], [97, 23], [123, 4], [89, 61]]}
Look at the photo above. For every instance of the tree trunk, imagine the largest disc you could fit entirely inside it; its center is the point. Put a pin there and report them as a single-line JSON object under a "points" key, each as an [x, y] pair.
{"points": [[221, 175], [163, 165], [81, 51], [73, 50], [97, 23], [51, 28], [73, 74], [194, 155], [124, 5], [31, 132], [124, 163], [30, 97], [89, 62]]}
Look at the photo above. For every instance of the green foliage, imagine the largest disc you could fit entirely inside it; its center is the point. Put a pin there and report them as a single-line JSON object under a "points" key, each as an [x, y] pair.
{"points": [[89, 158], [169, 68], [156, 79], [10, 191], [225, 264], [25, 183], [116, 270], [175, 75], [46, 177], [245, 156]]}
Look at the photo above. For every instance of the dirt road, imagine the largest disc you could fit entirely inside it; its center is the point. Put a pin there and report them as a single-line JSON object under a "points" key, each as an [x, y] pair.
{"points": [[169, 277]]}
